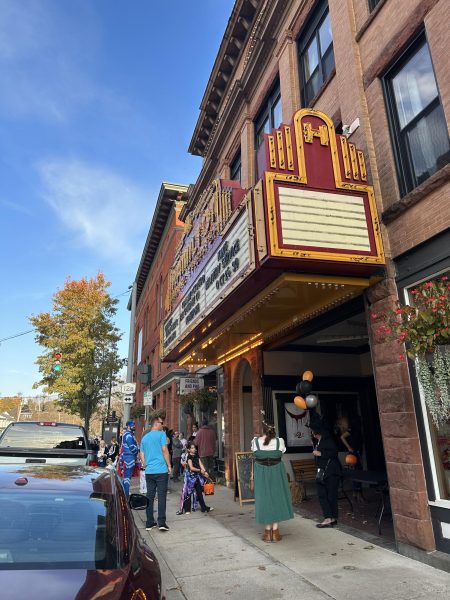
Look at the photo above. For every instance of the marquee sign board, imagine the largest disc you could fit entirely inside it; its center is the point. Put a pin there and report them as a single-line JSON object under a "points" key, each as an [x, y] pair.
{"points": [[231, 261], [190, 384]]}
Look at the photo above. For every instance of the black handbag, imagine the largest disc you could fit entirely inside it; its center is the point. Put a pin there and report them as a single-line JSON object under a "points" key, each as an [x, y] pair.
{"points": [[322, 473]]}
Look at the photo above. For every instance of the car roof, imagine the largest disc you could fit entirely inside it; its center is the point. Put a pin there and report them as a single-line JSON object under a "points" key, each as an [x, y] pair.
{"points": [[56, 423], [61, 478]]}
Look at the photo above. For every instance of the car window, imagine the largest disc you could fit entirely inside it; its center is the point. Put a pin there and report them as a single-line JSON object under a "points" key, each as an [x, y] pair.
{"points": [[49, 436], [51, 530]]}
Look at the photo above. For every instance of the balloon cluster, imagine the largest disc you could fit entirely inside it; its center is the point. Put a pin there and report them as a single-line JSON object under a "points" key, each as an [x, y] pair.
{"points": [[305, 399]]}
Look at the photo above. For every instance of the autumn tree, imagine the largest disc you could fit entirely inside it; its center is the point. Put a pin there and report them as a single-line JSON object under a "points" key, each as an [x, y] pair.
{"points": [[81, 329]]}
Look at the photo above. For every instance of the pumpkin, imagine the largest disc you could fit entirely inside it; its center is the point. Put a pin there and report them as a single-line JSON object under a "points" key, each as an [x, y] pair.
{"points": [[300, 402], [351, 459]]}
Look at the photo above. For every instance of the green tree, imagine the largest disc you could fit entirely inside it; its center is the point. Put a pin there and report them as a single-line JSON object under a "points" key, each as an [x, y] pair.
{"points": [[81, 329]]}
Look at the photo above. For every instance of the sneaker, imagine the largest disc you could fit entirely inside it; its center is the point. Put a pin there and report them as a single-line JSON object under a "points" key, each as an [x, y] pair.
{"points": [[164, 527], [150, 526], [208, 509], [188, 512]]}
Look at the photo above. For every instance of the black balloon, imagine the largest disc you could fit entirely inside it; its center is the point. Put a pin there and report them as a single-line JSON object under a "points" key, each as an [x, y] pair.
{"points": [[305, 388], [298, 388]]}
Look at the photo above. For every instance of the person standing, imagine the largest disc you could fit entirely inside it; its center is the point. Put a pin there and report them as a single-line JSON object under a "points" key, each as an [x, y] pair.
{"points": [[156, 458], [194, 477], [129, 455], [273, 501], [205, 440], [113, 450], [102, 454], [326, 455], [177, 449]]}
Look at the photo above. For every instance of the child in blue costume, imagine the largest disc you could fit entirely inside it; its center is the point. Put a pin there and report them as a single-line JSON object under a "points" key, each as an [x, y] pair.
{"points": [[128, 455]]}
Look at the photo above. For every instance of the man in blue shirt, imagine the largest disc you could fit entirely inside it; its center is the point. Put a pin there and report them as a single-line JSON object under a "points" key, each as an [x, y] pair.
{"points": [[156, 458]]}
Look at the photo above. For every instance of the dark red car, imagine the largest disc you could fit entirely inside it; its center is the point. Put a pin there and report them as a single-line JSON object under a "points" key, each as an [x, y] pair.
{"points": [[67, 533]]}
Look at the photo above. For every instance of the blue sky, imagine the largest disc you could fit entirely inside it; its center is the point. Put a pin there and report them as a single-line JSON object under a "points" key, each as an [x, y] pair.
{"points": [[98, 103]]}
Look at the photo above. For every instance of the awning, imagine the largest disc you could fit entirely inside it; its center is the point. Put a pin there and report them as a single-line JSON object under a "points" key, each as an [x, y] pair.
{"points": [[286, 303]]}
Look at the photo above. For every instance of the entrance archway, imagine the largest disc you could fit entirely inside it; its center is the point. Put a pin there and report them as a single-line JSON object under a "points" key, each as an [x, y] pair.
{"points": [[246, 407]]}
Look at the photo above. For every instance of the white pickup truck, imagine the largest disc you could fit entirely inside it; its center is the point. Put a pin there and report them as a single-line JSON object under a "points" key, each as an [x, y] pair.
{"points": [[45, 443]]}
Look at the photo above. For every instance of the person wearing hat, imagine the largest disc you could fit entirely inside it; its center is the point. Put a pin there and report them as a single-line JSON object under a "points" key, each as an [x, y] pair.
{"points": [[273, 501], [128, 455], [329, 473]]}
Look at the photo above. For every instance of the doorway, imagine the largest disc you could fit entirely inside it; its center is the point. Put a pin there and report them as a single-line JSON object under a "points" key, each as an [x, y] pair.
{"points": [[246, 405]]}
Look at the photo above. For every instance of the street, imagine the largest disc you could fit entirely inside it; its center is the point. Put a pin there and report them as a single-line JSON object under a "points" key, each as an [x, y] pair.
{"points": [[221, 555]]}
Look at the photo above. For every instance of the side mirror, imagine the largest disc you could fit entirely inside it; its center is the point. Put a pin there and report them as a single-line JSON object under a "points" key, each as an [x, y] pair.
{"points": [[138, 501]]}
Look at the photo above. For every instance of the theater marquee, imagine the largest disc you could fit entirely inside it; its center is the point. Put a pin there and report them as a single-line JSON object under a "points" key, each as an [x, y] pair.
{"points": [[254, 264]]}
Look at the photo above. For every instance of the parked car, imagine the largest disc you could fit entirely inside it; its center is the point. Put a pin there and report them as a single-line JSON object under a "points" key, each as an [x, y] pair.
{"points": [[67, 533], [45, 442]]}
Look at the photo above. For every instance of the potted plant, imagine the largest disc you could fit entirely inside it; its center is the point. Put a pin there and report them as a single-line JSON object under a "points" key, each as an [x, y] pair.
{"points": [[202, 398], [424, 329], [137, 411], [158, 413]]}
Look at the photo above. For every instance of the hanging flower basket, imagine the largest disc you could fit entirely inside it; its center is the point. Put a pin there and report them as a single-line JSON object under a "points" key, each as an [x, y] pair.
{"points": [[203, 398], [424, 329]]}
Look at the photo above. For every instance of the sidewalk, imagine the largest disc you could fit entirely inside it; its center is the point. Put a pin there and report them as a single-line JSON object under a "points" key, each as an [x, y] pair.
{"points": [[221, 556]]}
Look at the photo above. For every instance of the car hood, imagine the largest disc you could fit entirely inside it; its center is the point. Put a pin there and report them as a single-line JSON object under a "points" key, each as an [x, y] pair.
{"points": [[63, 584]]}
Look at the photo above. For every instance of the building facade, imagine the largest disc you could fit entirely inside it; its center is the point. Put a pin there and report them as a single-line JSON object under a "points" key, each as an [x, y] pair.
{"points": [[156, 382], [324, 193]]}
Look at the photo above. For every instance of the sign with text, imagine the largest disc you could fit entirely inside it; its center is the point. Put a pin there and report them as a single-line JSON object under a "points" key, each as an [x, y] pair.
{"points": [[232, 259], [148, 398], [190, 384], [128, 388]]}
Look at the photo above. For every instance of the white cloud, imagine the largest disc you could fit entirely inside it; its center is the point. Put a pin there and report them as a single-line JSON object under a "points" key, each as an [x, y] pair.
{"points": [[108, 213]]}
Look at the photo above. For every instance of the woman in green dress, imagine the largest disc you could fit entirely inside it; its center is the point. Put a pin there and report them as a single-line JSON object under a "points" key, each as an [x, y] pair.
{"points": [[273, 502]]}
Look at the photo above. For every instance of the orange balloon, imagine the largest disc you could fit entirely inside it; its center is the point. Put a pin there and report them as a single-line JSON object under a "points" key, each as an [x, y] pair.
{"points": [[308, 376], [300, 402], [351, 459]]}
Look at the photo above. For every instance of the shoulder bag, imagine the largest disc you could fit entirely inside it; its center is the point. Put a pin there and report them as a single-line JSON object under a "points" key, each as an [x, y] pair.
{"points": [[322, 473]]}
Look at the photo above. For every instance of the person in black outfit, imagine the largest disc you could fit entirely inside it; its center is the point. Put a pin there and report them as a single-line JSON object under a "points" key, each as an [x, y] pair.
{"points": [[326, 455], [194, 478]]}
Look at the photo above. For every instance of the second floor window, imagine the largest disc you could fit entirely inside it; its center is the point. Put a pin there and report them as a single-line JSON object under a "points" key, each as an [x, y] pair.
{"points": [[316, 54], [235, 168], [269, 117], [418, 127]]}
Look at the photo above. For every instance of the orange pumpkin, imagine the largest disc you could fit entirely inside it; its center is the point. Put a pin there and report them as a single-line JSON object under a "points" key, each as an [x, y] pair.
{"points": [[351, 459], [300, 402], [308, 376]]}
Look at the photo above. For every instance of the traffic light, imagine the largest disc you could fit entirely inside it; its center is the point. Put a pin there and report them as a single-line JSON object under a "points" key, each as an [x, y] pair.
{"points": [[57, 363], [145, 374]]}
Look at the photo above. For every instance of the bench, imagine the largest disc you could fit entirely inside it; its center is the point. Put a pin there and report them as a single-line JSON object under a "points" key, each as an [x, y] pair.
{"points": [[304, 471]]}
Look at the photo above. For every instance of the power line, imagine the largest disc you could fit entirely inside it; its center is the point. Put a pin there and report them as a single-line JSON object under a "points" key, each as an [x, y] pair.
{"points": [[16, 335]]}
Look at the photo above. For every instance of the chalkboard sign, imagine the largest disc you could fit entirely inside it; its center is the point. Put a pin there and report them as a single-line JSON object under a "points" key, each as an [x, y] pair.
{"points": [[244, 464]]}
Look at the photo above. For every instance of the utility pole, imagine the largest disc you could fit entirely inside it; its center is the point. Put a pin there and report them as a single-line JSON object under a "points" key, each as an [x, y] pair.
{"points": [[130, 366]]}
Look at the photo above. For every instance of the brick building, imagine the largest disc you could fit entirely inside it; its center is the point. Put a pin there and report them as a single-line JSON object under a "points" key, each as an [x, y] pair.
{"points": [[151, 287], [311, 103]]}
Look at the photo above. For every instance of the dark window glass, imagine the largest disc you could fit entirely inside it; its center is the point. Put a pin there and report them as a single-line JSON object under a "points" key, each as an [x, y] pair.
{"points": [[235, 168], [316, 53], [372, 4], [269, 117], [53, 529], [34, 435], [419, 130]]}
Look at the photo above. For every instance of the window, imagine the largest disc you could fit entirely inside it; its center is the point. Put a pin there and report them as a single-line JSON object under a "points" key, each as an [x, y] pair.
{"points": [[418, 127], [235, 168], [316, 54], [373, 4], [269, 116]]}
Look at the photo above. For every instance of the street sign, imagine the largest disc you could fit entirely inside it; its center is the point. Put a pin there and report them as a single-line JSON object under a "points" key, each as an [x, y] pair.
{"points": [[128, 388], [148, 398], [190, 384], [128, 400]]}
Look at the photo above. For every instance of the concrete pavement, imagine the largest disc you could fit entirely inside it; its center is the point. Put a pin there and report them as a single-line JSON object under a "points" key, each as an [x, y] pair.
{"points": [[221, 556]]}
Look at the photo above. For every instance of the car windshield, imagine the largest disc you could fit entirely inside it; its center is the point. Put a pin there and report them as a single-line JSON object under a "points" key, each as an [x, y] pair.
{"points": [[51, 530], [49, 436]]}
